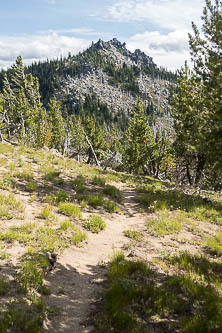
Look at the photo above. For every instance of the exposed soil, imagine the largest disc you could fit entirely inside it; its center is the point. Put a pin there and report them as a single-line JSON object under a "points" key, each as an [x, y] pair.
{"points": [[77, 280]]}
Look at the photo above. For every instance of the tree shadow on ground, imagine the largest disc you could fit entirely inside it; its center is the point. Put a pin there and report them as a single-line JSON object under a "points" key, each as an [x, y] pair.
{"points": [[75, 295]]}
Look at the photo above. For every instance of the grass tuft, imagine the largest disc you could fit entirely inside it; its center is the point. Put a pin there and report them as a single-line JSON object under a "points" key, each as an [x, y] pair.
{"points": [[78, 237], [98, 181], [214, 244], [163, 225], [132, 234], [95, 224], [69, 209], [4, 287], [113, 192], [46, 213]]}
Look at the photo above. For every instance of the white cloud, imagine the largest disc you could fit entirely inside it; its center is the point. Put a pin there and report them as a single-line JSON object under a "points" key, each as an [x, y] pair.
{"points": [[51, 2], [168, 50], [171, 19], [77, 31], [38, 47], [166, 14]]}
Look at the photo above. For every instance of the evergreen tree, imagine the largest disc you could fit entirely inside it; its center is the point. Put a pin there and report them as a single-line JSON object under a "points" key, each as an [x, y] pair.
{"points": [[96, 135], [197, 105], [139, 143], [57, 125], [21, 104]]}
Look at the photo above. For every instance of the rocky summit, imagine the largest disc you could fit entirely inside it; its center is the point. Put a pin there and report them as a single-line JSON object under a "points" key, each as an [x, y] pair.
{"points": [[110, 74]]}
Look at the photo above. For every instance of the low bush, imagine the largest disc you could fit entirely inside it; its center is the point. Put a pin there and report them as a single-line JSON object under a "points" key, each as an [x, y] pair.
{"points": [[95, 224]]}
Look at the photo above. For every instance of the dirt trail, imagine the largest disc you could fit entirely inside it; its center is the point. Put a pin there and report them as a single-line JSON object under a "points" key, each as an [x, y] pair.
{"points": [[76, 281]]}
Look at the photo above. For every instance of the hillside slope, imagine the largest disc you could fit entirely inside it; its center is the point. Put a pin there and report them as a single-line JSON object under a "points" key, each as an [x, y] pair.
{"points": [[167, 276]]}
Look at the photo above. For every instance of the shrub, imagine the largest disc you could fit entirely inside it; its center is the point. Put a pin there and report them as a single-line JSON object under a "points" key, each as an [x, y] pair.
{"points": [[95, 224]]}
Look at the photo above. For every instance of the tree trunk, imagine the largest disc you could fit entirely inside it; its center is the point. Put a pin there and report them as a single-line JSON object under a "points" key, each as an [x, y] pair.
{"points": [[188, 174], [92, 152], [199, 169]]}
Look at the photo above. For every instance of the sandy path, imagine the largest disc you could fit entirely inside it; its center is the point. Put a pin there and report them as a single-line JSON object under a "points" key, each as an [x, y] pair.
{"points": [[76, 281]]}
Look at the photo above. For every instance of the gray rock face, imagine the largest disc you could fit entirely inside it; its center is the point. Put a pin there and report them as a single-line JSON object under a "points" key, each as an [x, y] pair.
{"points": [[94, 80]]}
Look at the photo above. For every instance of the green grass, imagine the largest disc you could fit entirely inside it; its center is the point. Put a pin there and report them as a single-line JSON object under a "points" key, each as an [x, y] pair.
{"points": [[6, 149], [50, 239], [95, 200], [111, 206], [122, 291], [214, 244], [112, 177], [4, 287], [46, 213], [65, 225], [69, 209], [199, 264], [206, 213], [98, 181], [26, 175], [78, 237], [7, 182], [32, 271], [95, 224], [113, 192], [3, 162], [137, 299], [32, 186], [79, 184], [51, 175], [56, 198], [24, 317], [132, 234], [83, 203], [195, 207], [22, 234], [163, 225], [9, 206], [4, 254]]}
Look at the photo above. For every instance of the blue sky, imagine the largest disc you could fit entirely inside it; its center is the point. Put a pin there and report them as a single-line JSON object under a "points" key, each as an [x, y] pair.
{"points": [[41, 29]]}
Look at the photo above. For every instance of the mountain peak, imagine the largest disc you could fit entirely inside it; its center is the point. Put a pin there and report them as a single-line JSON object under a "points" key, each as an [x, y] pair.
{"points": [[137, 57], [113, 42]]}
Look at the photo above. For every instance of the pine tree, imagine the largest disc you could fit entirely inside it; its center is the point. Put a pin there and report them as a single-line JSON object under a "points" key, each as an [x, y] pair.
{"points": [[206, 54], [139, 143], [21, 104], [57, 125], [197, 105]]}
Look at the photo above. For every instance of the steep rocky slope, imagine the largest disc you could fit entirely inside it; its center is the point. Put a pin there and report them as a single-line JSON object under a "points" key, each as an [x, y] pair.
{"points": [[96, 79]]}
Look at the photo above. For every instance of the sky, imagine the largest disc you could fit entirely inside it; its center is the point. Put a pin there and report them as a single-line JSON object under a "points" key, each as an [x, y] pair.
{"points": [[41, 29]]}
